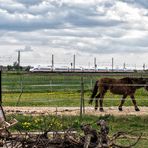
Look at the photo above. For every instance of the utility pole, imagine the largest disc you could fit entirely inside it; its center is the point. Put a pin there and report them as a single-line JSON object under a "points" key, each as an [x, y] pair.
{"points": [[74, 61], [144, 66], [52, 62], [95, 63], [71, 65], [135, 66], [18, 60], [26, 49], [124, 66], [112, 64]]}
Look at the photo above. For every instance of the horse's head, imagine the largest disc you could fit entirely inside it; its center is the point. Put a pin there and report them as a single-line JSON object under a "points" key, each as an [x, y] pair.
{"points": [[140, 82], [146, 84], [146, 87]]}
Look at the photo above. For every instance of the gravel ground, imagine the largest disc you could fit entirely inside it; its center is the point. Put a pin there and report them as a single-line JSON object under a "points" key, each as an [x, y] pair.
{"points": [[74, 111]]}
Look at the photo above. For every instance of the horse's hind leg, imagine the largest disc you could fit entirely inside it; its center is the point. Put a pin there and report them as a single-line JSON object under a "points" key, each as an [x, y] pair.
{"points": [[134, 102], [122, 102]]}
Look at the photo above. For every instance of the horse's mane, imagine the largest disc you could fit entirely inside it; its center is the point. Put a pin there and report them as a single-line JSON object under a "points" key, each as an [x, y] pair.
{"points": [[127, 80]]}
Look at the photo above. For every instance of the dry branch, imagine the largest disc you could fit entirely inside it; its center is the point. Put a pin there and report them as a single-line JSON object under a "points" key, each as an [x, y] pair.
{"points": [[91, 138]]}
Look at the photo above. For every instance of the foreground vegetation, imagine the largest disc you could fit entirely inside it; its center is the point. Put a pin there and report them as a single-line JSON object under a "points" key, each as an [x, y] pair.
{"points": [[130, 123]]}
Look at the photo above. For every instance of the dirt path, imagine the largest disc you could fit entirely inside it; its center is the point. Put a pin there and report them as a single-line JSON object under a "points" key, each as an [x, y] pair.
{"points": [[74, 111]]}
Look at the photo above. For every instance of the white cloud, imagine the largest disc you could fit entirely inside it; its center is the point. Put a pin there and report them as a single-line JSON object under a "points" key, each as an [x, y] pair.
{"points": [[101, 28]]}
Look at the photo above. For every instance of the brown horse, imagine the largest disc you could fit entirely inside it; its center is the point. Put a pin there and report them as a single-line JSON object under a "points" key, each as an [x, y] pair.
{"points": [[126, 86]]}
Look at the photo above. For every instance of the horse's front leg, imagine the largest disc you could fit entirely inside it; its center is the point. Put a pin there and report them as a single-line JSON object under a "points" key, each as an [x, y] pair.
{"points": [[122, 102], [134, 102], [90, 101], [96, 101], [92, 97], [101, 102]]}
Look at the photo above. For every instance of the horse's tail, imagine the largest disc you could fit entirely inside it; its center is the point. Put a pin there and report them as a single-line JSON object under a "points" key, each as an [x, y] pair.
{"points": [[94, 92]]}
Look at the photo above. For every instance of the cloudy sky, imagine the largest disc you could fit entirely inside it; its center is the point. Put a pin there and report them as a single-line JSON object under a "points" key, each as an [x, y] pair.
{"points": [[86, 28]]}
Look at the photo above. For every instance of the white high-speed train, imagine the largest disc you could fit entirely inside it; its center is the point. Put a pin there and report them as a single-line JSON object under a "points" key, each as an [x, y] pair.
{"points": [[67, 69], [56, 69], [41, 69]]}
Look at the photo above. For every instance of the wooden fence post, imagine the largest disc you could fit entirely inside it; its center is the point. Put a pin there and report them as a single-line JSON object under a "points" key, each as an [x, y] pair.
{"points": [[21, 90], [2, 114], [0, 87], [82, 106]]}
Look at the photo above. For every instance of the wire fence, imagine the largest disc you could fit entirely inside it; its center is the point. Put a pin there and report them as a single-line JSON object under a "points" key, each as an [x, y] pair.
{"points": [[60, 89]]}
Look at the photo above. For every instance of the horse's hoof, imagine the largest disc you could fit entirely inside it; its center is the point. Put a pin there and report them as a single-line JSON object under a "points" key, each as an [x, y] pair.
{"points": [[101, 110], [120, 109], [96, 108], [137, 109]]}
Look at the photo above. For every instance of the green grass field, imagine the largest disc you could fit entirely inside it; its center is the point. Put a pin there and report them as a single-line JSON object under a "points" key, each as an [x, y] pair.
{"points": [[58, 89]]}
